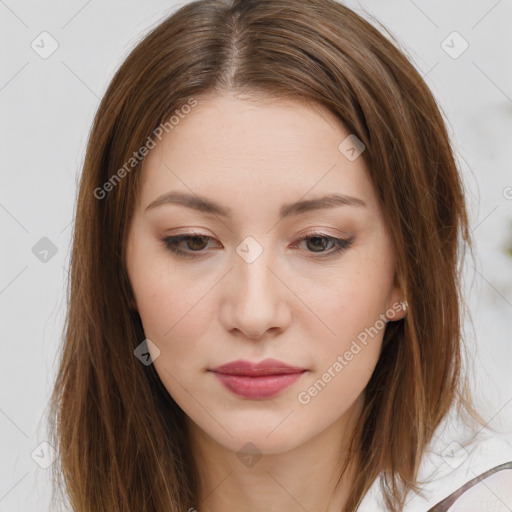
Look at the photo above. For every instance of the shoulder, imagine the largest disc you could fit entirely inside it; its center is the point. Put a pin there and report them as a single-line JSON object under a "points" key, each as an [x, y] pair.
{"points": [[490, 491], [480, 471]]}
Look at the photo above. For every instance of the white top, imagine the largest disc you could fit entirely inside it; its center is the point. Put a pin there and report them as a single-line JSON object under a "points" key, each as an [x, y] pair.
{"points": [[448, 464]]}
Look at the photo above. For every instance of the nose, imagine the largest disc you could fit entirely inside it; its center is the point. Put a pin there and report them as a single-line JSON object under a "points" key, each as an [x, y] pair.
{"points": [[255, 299]]}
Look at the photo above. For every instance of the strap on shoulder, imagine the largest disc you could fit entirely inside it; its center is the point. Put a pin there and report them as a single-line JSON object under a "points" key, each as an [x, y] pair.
{"points": [[445, 504]]}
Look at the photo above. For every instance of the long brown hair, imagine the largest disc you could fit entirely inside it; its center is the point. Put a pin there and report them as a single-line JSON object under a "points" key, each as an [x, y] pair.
{"points": [[121, 438]]}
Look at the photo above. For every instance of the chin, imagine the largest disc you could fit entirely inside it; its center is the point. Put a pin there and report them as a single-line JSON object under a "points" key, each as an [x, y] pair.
{"points": [[259, 440]]}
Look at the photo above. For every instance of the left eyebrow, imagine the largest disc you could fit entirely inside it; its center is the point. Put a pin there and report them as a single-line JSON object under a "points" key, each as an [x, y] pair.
{"points": [[206, 205]]}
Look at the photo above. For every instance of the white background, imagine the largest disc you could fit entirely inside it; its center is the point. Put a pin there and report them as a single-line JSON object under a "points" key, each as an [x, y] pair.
{"points": [[47, 107]]}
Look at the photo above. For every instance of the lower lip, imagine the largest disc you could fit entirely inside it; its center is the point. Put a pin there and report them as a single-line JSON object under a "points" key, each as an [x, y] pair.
{"points": [[265, 386]]}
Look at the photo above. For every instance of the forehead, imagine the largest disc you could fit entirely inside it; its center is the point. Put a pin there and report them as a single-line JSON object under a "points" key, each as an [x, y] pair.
{"points": [[227, 146]]}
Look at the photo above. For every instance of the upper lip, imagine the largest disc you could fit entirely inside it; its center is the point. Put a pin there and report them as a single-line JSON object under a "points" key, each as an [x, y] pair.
{"points": [[265, 367]]}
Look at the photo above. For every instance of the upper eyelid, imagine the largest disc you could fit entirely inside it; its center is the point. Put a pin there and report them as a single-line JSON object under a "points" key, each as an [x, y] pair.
{"points": [[311, 234]]}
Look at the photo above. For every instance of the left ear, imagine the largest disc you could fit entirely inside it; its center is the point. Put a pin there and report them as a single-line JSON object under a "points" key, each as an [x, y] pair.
{"points": [[396, 307]]}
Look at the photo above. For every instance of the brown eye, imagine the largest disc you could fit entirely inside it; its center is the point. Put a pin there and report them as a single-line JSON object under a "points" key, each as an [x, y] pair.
{"points": [[318, 243], [196, 243], [193, 244]]}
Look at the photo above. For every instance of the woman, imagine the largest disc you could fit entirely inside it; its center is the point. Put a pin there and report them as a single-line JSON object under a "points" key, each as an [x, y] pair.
{"points": [[264, 295]]}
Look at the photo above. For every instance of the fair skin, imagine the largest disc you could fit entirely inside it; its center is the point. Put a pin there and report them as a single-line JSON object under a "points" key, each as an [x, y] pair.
{"points": [[298, 302]]}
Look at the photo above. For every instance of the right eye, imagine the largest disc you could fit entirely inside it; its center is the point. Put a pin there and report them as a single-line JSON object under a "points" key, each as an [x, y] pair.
{"points": [[195, 244]]}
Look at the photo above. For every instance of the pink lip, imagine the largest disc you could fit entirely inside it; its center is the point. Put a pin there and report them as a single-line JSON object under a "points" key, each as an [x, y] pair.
{"points": [[257, 380]]}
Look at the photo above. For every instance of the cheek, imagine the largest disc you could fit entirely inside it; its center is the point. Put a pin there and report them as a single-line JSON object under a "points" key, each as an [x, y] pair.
{"points": [[174, 318], [165, 301], [346, 353], [352, 302], [352, 309], [170, 309]]}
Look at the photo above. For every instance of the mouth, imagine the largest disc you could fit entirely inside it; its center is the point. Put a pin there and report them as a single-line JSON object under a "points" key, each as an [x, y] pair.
{"points": [[257, 380]]}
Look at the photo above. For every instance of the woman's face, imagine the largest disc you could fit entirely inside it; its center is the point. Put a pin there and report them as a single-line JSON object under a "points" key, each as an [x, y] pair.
{"points": [[247, 287]]}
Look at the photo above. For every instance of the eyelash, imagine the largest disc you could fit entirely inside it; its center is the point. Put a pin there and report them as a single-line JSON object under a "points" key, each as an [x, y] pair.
{"points": [[171, 243]]}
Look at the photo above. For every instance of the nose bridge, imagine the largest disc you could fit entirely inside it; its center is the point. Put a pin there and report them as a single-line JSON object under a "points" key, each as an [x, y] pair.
{"points": [[254, 278], [256, 293]]}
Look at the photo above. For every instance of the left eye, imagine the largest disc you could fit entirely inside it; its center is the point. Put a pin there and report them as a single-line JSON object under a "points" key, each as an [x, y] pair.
{"points": [[196, 243]]}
